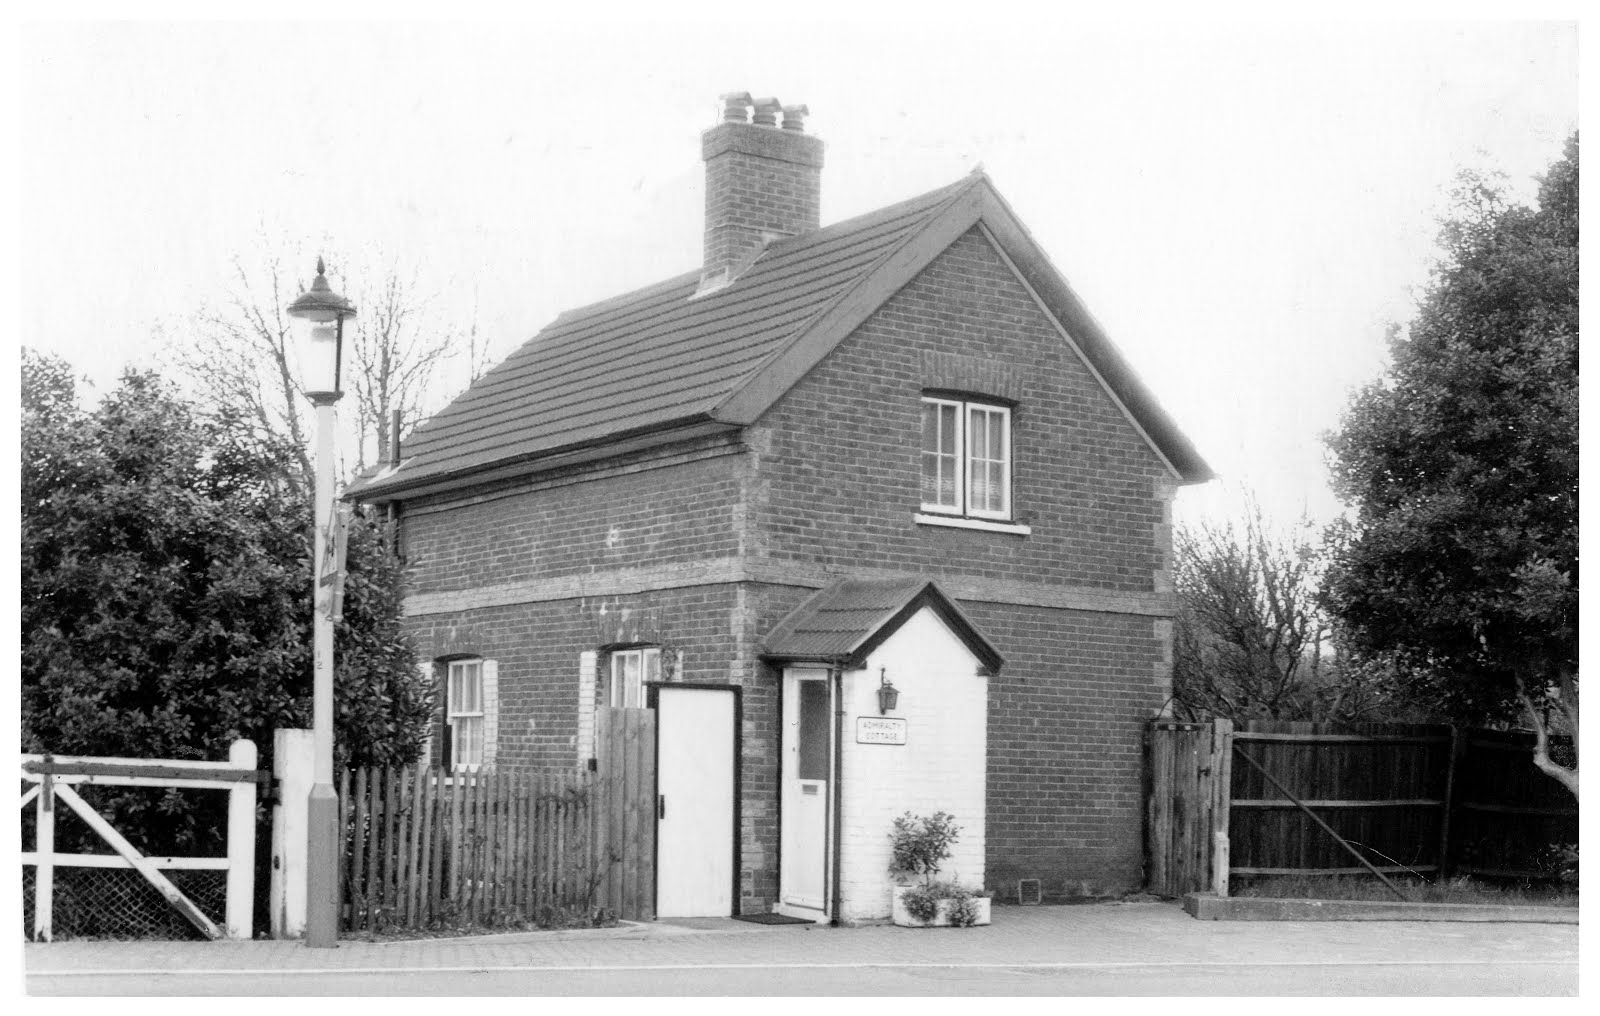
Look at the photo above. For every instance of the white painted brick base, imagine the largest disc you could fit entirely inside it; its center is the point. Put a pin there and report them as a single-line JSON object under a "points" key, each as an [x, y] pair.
{"points": [[941, 767]]}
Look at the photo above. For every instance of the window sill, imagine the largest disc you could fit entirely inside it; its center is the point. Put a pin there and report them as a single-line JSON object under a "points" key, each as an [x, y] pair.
{"points": [[957, 522]]}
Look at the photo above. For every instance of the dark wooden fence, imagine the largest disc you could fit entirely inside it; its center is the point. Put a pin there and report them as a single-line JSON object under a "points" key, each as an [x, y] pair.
{"points": [[428, 848], [1505, 809], [1405, 797]]}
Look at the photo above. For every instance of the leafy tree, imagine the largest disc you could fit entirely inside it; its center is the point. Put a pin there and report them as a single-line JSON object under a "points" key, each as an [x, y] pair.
{"points": [[166, 596], [1461, 470]]}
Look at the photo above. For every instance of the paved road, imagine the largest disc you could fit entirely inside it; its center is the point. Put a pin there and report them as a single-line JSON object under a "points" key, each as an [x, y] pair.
{"points": [[1128, 949], [1344, 979]]}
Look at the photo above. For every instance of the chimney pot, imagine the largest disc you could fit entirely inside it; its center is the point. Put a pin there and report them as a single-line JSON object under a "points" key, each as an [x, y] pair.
{"points": [[767, 112], [794, 117], [736, 107]]}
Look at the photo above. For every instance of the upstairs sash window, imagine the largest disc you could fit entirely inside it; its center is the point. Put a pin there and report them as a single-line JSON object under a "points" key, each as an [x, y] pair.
{"points": [[966, 458]]}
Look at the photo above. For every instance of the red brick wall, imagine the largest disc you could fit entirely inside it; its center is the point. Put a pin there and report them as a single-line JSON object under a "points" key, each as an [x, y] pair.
{"points": [[840, 452], [1066, 758], [674, 506], [537, 646], [839, 461]]}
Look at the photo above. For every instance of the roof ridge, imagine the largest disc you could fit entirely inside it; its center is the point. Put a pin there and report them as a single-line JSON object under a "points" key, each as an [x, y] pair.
{"points": [[626, 304], [589, 309], [831, 230], [883, 214]]}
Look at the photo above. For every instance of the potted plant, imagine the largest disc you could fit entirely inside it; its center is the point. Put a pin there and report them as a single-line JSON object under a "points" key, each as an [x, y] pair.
{"points": [[921, 845]]}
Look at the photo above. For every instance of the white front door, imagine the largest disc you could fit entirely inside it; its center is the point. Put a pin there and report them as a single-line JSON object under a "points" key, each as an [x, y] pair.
{"points": [[807, 768], [695, 763]]}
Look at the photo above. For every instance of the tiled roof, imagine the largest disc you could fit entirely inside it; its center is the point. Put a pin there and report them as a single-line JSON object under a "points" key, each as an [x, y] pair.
{"points": [[655, 357], [852, 616], [661, 363]]}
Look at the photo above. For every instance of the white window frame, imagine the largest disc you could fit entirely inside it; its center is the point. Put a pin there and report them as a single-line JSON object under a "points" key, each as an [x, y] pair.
{"points": [[627, 692], [457, 716], [965, 409]]}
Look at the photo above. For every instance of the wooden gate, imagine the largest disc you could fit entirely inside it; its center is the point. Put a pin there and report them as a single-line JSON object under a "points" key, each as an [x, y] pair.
{"points": [[1187, 805], [54, 778], [625, 821]]}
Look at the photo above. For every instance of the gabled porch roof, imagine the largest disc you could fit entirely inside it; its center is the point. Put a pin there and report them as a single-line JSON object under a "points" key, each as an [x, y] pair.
{"points": [[844, 622]]}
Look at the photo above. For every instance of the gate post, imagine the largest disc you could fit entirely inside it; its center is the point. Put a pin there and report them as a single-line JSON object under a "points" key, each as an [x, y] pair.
{"points": [[44, 848], [241, 844], [1222, 788], [292, 757]]}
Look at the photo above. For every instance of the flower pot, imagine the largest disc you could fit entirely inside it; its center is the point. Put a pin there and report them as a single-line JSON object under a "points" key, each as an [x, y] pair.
{"points": [[941, 919]]}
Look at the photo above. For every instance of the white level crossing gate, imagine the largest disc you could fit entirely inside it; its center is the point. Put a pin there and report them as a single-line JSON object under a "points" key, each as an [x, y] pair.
{"points": [[53, 779]]}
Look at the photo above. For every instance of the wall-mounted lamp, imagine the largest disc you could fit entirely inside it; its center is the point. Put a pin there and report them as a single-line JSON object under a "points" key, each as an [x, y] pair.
{"points": [[888, 694]]}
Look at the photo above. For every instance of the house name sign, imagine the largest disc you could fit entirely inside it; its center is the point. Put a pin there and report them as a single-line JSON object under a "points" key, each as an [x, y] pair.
{"points": [[880, 730]]}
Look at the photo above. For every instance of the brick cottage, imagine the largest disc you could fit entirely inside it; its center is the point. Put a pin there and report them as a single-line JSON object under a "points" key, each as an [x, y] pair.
{"points": [[895, 452]]}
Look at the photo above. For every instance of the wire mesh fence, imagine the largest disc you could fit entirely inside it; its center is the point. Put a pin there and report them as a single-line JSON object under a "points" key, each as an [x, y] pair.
{"points": [[121, 903]]}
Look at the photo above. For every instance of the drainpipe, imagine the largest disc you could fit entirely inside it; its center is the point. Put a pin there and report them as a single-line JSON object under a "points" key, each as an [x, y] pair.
{"points": [[836, 672]]}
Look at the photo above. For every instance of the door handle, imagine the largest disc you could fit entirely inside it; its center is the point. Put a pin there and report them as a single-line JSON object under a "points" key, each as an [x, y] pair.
{"points": [[661, 806]]}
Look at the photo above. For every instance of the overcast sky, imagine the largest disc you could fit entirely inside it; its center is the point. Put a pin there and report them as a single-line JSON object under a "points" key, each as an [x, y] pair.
{"points": [[1244, 207]]}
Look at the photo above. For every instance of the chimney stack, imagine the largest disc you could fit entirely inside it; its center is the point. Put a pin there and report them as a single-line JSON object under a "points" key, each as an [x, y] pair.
{"points": [[763, 182]]}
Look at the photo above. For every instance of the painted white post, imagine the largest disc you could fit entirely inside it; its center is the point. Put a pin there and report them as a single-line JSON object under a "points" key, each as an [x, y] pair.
{"points": [[322, 803], [241, 845], [45, 849], [326, 312], [292, 754]]}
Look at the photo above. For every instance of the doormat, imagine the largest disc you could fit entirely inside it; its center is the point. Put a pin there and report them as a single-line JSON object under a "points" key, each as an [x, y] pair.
{"points": [[772, 919]]}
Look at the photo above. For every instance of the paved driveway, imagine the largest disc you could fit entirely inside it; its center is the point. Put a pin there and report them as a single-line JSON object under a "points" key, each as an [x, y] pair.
{"points": [[1135, 948]]}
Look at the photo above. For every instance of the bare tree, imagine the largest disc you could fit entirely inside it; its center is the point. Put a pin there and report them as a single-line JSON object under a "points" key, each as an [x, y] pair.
{"points": [[243, 359], [393, 360], [1249, 639]]}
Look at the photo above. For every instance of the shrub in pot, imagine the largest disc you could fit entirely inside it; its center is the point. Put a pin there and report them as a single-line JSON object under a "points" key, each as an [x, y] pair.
{"points": [[921, 845]]}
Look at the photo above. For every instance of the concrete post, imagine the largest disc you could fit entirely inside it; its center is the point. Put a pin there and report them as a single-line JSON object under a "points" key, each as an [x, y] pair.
{"points": [[292, 767]]}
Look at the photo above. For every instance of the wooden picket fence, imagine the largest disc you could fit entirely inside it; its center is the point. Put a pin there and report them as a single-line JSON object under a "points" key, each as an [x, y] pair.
{"points": [[1276, 798], [427, 848]]}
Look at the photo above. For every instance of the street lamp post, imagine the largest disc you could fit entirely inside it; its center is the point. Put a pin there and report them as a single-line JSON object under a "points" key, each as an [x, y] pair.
{"points": [[324, 313]]}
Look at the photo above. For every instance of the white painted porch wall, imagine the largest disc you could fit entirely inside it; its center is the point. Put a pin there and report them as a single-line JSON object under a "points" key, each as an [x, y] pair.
{"points": [[941, 767]]}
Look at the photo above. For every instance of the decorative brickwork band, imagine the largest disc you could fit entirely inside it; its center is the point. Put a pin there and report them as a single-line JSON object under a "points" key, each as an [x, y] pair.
{"points": [[971, 374]]}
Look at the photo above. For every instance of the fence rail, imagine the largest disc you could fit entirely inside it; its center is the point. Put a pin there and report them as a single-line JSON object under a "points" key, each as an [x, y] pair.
{"points": [[1311, 799]]}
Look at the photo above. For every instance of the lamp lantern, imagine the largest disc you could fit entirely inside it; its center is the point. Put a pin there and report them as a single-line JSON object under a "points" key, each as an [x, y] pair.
{"points": [[324, 313], [888, 694]]}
